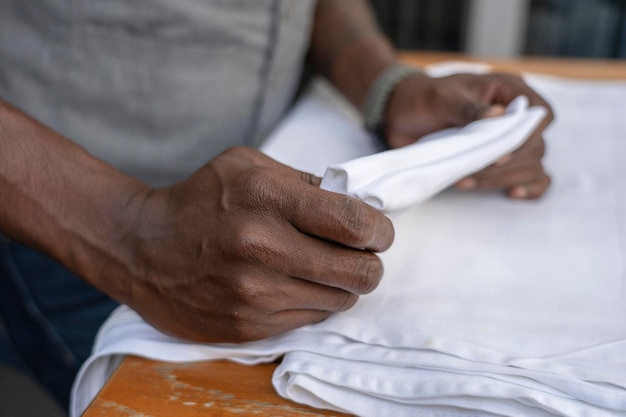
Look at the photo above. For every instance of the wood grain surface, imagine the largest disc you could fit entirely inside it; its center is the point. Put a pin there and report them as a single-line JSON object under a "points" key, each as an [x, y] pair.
{"points": [[144, 388]]}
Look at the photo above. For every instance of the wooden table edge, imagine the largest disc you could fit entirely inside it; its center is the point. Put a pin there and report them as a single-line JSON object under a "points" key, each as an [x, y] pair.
{"points": [[144, 388], [597, 69]]}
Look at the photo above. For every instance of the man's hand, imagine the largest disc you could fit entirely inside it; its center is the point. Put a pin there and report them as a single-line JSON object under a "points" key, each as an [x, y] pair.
{"points": [[348, 48], [244, 249], [421, 105], [247, 248]]}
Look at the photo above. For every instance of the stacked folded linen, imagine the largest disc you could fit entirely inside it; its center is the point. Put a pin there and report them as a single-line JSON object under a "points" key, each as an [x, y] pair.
{"points": [[488, 307]]}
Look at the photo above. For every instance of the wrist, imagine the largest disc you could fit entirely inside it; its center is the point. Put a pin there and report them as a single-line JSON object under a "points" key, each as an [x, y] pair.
{"points": [[379, 94], [100, 240], [62, 201]]}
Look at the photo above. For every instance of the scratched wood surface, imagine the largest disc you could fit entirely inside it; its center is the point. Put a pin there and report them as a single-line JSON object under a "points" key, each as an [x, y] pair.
{"points": [[144, 388]]}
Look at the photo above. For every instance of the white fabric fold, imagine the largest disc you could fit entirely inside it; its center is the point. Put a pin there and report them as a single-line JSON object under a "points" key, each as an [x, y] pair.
{"points": [[397, 179], [488, 307]]}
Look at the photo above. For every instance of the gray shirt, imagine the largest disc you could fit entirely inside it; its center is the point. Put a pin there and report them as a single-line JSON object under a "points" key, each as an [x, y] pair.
{"points": [[154, 87]]}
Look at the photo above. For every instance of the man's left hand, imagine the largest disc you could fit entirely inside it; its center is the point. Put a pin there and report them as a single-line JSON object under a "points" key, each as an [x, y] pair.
{"points": [[420, 105]]}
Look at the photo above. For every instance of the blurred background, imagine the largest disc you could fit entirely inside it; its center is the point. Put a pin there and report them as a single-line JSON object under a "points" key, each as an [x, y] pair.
{"points": [[508, 28], [487, 28]]}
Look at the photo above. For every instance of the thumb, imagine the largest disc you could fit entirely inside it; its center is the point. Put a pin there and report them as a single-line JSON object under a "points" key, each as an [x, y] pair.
{"points": [[494, 111]]}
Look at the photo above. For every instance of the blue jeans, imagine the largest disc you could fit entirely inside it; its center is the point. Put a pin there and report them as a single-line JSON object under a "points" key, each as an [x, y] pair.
{"points": [[51, 317]]}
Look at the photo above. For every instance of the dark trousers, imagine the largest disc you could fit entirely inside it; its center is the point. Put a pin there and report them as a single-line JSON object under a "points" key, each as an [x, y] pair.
{"points": [[51, 317]]}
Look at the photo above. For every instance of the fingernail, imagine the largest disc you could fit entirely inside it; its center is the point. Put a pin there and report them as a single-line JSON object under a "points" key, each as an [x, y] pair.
{"points": [[519, 192], [466, 184], [494, 111]]}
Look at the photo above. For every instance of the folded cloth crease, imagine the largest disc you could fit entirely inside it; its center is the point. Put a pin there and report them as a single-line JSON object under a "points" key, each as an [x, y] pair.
{"points": [[397, 179]]}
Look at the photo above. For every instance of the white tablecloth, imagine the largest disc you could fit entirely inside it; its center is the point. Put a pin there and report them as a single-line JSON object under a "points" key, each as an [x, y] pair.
{"points": [[488, 306]]}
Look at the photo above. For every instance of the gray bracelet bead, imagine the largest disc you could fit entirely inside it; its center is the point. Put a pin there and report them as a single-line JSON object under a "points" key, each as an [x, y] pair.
{"points": [[379, 93]]}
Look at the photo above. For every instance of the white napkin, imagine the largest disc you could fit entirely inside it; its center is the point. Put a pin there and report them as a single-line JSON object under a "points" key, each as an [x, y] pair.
{"points": [[488, 307], [397, 179]]}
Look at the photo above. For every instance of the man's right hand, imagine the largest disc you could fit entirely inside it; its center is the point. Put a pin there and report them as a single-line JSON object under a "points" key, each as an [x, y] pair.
{"points": [[243, 249], [247, 248]]}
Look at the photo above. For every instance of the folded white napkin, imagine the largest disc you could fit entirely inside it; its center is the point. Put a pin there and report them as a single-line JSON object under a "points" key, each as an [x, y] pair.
{"points": [[397, 179], [488, 307]]}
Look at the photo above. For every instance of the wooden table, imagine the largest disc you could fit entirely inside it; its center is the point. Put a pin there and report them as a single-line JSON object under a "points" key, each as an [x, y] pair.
{"points": [[562, 67], [143, 388]]}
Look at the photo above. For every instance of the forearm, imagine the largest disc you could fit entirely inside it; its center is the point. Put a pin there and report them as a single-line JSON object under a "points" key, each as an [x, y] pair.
{"points": [[348, 48], [59, 199]]}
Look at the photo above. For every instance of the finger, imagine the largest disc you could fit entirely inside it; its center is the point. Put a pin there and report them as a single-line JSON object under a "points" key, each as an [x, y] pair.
{"points": [[329, 264], [462, 109], [284, 321], [355, 271], [297, 294], [503, 88], [339, 218], [278, 249], [502, 170], [397, 139], [325, 214], [530, 153], [466, 184], [267, 293], [261, 327], [504, 160], [296, 195], [494, 111], [501, 176], [509, 177], [530, 191], [533, 148], [519, 166]]}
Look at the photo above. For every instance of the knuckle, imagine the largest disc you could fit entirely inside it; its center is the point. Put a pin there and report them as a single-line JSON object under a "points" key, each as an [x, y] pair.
{"points": [[244, 324], [495, 81], [471, 110], [520, 178], [249, 242], [247, 293], [319, 316], [542, 185], [309, 178], [547, 181], [487, 183], [345, 301], [236, 151], [532, 175], [367, 272], [251, 155], [359, 222], [259, 187], [246, 331], [508, 77]]}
